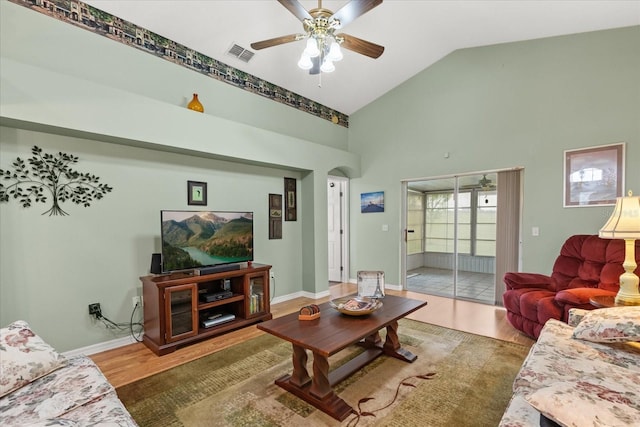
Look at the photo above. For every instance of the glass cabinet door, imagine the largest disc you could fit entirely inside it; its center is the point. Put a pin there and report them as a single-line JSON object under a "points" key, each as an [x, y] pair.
{"points": [[257, 296], [181, 306]]}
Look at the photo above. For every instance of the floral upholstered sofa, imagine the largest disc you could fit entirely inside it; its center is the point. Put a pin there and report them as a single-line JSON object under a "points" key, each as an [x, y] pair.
{"points": [[587, 375], [40, 387]]}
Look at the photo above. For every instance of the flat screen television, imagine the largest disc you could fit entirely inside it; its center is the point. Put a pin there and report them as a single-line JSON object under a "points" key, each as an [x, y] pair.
{"points": [[199, 239]]}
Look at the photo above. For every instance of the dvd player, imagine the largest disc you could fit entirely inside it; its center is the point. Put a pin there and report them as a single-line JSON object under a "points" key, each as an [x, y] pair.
{"points": [[217, 319], [216, 296]]}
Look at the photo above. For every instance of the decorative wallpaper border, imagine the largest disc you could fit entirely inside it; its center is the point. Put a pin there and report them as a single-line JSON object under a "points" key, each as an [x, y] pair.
{"points": [[99, 22]]}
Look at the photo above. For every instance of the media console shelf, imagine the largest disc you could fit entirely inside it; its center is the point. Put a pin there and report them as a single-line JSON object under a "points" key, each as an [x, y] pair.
{"points": [[182, 308]]}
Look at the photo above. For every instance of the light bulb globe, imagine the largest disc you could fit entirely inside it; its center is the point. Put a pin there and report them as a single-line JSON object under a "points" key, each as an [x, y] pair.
{"points": [[312, 48], [327, 66], [335, 53], [305, 62]]}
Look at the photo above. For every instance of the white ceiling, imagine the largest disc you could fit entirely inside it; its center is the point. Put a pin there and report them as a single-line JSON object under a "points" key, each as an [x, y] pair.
{"points": [[415, 34]]}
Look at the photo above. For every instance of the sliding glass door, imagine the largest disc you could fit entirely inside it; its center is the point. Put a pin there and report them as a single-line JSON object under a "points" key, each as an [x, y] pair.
{"points": [[451, 237]]}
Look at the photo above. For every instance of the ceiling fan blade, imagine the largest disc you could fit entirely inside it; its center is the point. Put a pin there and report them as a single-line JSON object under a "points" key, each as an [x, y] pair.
{"points": [[353, 9], [296, 8], [274, 42], [363, 47]]}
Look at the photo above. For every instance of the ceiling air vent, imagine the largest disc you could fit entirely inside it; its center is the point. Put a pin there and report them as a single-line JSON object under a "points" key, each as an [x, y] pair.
{"points": [[240, 53]]}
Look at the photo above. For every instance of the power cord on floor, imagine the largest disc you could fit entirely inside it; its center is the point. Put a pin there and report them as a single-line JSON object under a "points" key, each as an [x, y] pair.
{"points": [[359, 413]]}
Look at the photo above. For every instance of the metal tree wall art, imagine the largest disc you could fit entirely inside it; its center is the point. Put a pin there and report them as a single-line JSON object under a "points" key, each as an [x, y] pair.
{"points": [[45, 174]]}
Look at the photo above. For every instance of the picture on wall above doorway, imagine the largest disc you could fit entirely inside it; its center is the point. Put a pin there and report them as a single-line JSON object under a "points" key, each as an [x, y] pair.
{"points": [[593, 176], [372, 202]]}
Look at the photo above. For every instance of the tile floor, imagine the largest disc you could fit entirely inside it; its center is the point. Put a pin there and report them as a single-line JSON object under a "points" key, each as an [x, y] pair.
{"points": [[478, 287]]}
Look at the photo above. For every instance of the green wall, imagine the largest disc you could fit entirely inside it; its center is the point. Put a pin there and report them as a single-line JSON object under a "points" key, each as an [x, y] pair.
{"points": [[54, 266], [122, 112], [125, 119], [503, 106], [42, 41]]}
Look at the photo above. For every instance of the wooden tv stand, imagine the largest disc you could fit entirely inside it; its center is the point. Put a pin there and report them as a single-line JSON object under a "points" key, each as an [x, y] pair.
{"points": [[176, 306]]}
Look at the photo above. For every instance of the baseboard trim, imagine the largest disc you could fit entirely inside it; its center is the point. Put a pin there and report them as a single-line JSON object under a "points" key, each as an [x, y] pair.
{"points": [[100, 347], [121, 342], [300, 294], [386, 285]]}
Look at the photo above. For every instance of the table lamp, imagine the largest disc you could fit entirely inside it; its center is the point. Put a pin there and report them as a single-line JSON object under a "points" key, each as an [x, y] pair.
{"points": [[625, 224]]}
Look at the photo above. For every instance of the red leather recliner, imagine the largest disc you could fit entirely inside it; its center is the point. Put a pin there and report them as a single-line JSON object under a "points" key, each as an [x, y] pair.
{"points": [[587, 266]]}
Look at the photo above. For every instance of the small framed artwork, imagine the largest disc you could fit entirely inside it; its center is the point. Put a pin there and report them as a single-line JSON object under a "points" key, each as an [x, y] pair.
{"points": [[593, 176], [291, 197], [372, 202], [371, 284], [196, 193], [275, 216]]}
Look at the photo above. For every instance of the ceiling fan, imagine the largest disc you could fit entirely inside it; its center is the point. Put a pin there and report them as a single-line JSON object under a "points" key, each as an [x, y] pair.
{"points": [[486, 184], [323, 44]]}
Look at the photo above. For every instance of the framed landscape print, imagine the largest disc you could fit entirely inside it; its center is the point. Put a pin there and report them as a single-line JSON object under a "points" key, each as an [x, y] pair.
{"points": [[196, 193], [593, 176], [372, 202]]}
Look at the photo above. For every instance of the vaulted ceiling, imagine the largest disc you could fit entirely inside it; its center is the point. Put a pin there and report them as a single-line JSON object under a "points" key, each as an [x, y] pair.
{"points": [[414, 33]]}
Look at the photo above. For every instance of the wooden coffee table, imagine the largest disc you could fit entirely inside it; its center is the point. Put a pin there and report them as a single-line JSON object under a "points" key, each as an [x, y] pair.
{"points": [[329, 334]]}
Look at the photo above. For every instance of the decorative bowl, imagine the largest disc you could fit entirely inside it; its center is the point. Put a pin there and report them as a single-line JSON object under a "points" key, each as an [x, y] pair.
{"points": [[355, 305]]}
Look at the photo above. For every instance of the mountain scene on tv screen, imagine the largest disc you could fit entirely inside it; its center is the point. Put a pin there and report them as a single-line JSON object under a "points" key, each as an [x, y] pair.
{"points": [[205, 239]]}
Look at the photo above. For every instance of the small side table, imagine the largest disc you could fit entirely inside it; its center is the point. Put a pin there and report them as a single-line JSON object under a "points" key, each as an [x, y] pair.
{"points": [[603, 301], [606, 301]]}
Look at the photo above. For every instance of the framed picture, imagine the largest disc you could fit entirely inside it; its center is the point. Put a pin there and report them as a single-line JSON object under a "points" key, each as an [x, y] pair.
{"points": [[372, 202], [593, 176], [196, 193], [275, 216], [371, 284], [291, 198]]}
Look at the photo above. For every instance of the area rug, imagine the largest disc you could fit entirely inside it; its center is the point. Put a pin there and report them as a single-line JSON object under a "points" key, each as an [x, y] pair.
{"points": [[459, 379]]}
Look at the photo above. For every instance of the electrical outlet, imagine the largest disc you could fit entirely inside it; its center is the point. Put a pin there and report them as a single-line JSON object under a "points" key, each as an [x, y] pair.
{"points": [[272, 274], [137, 300], [94, 310]]}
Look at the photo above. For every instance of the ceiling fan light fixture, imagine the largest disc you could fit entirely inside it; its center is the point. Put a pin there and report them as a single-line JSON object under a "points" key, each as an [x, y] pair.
{"points": [[305, 62], [319, 26], [327, 66], [312, 48], [335, 53]]}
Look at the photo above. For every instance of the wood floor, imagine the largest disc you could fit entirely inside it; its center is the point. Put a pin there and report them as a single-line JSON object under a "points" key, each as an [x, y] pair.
{"points": [[130, 363]]}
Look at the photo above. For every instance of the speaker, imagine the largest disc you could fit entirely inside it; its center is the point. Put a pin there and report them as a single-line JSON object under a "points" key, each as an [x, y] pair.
{"points": [[218, 269], [156, 264]]}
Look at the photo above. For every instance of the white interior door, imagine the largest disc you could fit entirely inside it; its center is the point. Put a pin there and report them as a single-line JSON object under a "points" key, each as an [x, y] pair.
{"points": [[337, 229]]}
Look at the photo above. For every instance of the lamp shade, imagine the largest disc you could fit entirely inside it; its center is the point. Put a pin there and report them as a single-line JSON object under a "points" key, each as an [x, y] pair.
{"points": [[624, 222]]}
